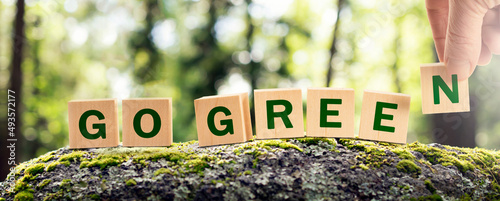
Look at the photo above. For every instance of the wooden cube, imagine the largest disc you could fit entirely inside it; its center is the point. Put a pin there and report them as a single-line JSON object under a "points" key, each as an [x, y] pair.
{"points": [[442, 93], [384, 117], [223, 119], [93, 123], [278, 113], [147, 122], [330, 112]]}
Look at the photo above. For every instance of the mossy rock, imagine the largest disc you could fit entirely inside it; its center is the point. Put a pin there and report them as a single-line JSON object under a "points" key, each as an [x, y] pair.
{"points": [[292, 169]]}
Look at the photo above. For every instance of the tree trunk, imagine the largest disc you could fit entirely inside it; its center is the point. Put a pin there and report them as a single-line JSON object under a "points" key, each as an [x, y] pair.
{"points": [[15, 84], [333, 48]]}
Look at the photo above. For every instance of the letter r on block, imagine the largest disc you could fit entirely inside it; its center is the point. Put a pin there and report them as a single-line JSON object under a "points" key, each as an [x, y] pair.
{"points": [[442, 93], [278, 113]]}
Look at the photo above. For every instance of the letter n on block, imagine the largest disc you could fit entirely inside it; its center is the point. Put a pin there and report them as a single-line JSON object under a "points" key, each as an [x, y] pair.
{"points": [[223, 119], [93, 123], [278, 113], [147, 122], [330, 112], [442, 93], [384, 117]]}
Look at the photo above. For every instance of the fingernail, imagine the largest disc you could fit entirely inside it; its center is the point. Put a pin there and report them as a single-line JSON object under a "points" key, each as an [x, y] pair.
{"points": [[459, 67]]}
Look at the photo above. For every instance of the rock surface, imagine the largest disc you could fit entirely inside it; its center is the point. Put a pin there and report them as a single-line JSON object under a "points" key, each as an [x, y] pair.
{"points": [[294, 169]]}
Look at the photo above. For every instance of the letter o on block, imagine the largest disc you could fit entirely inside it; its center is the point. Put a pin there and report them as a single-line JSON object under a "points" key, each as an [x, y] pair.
{"points": [[147, 122], [93, 123], [384, 117], [223, 119]]}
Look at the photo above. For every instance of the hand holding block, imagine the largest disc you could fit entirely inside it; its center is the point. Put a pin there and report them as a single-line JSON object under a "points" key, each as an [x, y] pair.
{"points": [[442, 93], [330, 112], [147, 122], [278, 113], [223, 119], [384, 117], [93, 123]]}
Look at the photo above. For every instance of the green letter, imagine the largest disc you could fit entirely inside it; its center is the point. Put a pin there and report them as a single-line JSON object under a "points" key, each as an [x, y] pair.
{"points": [[101, 132], [283, 115], [156, 123], [324, 113], [438, 82], [227, 122], [379, 116]]}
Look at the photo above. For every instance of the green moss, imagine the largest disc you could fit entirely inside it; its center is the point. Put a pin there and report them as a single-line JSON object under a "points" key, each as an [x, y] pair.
{"points": [[102, 162], [35, 169], [2, 199], [316, 140], [95, 197], [429, 186], [72, 157], [164, 171], [403, 153], [408, 166], [52, 166], [44, 183], [462, 159], [24, 196], [65, 183], [248, 172], [21, 185], [46, 157], [131, 182], [433, 197], [364, 167]]}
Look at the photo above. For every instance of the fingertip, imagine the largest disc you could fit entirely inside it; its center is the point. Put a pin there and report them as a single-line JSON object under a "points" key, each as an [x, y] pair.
{"points": [[462, 68]]}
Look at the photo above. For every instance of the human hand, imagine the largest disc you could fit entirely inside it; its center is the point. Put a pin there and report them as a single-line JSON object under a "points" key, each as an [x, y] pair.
{"points": [[465, 32]]}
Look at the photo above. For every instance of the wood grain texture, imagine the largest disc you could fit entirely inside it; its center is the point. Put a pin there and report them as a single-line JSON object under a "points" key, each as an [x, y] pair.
{"points": [[399, 120], [294, 96], [345, 112], [162, 107], [239, 116], [427, 71], [108, 108]]}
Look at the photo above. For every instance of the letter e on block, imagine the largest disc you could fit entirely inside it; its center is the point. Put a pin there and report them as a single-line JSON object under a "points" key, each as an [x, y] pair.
{"points": [[442, 93], [330, 112], [147, 122], [384, 117], [93, 123], [278, 113], [223, 119]]}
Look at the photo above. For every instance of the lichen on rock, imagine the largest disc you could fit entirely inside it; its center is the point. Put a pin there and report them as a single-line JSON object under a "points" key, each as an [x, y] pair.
{"points": [[288, 169]]}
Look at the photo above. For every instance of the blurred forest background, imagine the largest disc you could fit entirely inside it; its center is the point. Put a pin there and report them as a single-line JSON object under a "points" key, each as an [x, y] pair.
{"points": [[54, 51]]}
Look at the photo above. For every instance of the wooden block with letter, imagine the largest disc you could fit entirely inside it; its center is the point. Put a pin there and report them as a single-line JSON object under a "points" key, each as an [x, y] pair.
{"points": [[278, 113], [384, 117], [93, 123], [223, 119], [442, 93], [147, 122], [330, 112]]}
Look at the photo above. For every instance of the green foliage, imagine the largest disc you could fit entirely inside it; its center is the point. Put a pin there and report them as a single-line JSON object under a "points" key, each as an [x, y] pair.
{"points": [[408, 166]]}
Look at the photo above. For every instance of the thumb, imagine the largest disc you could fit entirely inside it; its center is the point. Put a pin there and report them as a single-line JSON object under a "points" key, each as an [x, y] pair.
{"points": [[463, 38]]}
